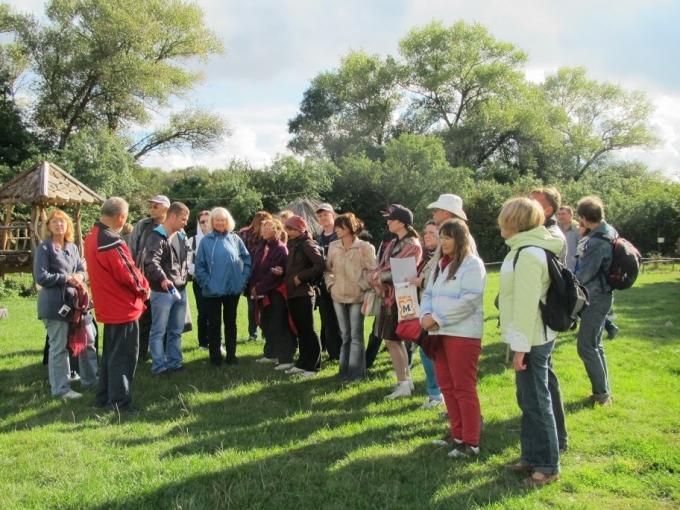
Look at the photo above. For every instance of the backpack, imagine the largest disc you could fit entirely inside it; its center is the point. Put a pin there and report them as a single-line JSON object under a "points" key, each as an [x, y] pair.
{"points": [[625, 262], [566, 297]]}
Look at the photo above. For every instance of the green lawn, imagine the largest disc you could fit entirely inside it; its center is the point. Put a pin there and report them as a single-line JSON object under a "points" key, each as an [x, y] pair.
{"points": [[249, 437]]}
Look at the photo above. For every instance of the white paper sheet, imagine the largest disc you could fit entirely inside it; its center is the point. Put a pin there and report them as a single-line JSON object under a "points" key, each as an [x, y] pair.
{"points": [[403, 270]]}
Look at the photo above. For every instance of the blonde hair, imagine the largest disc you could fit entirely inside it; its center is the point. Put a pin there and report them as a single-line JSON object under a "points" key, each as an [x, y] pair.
{"points": [[520, 214], [284, 215], [222, 213], [58, 214], [278, 227]]}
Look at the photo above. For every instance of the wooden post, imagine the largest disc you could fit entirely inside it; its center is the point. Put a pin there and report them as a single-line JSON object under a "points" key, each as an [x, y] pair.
{"points": [[79, 232], [8, 222]]}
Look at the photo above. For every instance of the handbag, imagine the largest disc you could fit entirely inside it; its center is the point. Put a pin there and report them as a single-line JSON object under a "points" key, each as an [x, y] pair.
{"points": [[365, 279], [372, 304], [409, 330], [406, 296]]}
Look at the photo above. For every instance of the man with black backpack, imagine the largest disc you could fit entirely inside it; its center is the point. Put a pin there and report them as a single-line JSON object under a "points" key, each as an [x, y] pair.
{"points": [[593, 269]]}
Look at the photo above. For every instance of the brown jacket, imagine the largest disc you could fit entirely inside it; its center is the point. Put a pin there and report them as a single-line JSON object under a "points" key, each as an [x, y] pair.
{"points": [[306, 262], [344, 270]]}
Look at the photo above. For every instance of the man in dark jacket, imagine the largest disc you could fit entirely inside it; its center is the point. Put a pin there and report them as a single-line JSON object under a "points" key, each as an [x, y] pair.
{"points": [[166, 269], [118, 293], [331, 340], [158, 208]]}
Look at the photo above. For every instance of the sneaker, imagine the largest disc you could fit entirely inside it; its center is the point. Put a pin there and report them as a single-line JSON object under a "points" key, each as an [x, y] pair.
{"points": [[402, 389], [71, 395], [267, 360], [295, 370], [74, 376], [409, 379], [447, 440], [113, 408], [307, 374], [202, 348], [464, 450], [223, 351], [284, 366], [431, 402], [612, 332], [252, 338]]}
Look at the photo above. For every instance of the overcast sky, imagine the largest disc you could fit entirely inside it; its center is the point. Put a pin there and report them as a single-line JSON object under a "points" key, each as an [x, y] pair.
{"points": [[274, 48]]}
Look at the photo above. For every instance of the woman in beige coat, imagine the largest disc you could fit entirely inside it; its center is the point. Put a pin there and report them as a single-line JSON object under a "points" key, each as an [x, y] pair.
{"points": [[349, 263]]}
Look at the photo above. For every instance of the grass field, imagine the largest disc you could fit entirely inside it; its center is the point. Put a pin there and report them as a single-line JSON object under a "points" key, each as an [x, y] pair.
{"points": [[248, 437]]}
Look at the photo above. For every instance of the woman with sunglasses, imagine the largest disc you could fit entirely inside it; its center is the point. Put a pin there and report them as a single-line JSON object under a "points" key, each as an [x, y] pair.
{"points": [[202, 229]]}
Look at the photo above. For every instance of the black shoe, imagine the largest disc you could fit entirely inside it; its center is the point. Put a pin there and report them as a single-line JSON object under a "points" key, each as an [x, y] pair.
{"points": [[164, 373], [113, 408], [178, 369], [232, 361]]}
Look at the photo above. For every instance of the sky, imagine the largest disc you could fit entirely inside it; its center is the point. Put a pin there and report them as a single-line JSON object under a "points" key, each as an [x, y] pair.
{"points": [[275, 47]]}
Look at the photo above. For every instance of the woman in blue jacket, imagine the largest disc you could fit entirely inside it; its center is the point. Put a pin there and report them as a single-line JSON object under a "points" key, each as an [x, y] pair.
{"points": [[222, 271]]}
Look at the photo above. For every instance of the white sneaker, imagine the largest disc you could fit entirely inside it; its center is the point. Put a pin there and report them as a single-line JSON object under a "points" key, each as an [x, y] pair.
{"points": [[431, 402], [223, 351], [409, 379], [202, 348], [402, 389], [307, 374], [464, 450], [74, 376], [294, 370], [267, 360], [71, 395], [447, 440], [284, 366]]}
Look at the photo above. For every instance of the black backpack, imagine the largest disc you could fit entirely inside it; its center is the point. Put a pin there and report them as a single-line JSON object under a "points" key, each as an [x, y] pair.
{"points": [[625, 262], [566, 297]]}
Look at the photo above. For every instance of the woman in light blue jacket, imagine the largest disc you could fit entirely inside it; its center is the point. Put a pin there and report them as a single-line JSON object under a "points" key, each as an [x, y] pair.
{"points": [[452, 309], [222, 271]]}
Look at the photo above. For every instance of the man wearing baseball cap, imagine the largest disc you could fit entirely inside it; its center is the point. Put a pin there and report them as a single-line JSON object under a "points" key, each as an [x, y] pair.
{"points": [[158, 209], [331, 340]]}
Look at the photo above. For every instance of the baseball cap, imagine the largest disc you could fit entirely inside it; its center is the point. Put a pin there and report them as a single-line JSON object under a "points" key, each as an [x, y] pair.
{"points": [[324, 207], [160, 199], [399, 213]]}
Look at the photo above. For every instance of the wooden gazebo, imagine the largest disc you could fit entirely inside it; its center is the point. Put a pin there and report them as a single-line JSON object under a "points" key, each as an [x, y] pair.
{"points": [[41, 186]]}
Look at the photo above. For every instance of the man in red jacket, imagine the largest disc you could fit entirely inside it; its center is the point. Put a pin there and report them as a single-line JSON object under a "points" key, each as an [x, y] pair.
{"points": [[118, 293]]}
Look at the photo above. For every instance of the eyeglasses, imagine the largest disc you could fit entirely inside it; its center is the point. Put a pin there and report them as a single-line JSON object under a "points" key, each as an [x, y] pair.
{"points": [[267, 229]]}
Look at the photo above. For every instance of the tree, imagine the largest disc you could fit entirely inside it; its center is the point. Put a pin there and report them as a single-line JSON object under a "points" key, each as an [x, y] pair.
{"points": [[197, 129], [349, 110], [596, 118], [452, 70], [106, 65]]}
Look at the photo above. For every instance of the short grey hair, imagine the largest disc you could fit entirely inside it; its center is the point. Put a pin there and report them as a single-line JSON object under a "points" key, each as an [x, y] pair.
{"points": [[222, 213], [114, 206]]}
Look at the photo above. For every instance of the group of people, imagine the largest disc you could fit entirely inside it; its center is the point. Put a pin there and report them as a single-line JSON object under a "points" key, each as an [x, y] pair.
{"points": [[284, 271]]}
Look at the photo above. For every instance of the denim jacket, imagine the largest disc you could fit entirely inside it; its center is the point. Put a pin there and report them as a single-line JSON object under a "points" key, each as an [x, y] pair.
{"points": [[596, 260]]}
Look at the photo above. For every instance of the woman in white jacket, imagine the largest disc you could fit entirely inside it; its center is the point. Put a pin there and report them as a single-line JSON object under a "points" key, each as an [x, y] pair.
{"points": [[349, 263], [452, 309]]}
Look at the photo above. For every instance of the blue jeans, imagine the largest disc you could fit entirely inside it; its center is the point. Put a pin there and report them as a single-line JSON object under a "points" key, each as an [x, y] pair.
{"points": [[58, 367], [353, 350], [538, 434], [589, 342], [432, 386], [168, 316]]}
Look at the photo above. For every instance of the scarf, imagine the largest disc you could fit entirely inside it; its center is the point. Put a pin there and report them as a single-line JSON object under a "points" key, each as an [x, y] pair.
{"points": [[77, 333]]}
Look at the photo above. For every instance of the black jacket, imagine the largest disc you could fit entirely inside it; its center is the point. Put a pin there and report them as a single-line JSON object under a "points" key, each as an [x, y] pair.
{"points": [[166, 259]]}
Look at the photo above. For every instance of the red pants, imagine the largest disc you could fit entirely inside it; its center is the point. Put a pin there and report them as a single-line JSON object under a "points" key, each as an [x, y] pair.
{"points": [[456, 368]]}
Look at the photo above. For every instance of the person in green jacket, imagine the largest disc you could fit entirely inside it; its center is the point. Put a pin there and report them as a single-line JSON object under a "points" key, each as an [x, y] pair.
{"points": [[522, 285]]}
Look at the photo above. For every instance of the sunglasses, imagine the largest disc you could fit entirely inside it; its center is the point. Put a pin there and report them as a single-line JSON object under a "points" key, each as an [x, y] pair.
{"points": [[203, 222]]}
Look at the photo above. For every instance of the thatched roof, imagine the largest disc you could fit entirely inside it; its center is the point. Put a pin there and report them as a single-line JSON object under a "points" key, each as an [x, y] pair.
{"points": [[47, 184], [307, 209]]}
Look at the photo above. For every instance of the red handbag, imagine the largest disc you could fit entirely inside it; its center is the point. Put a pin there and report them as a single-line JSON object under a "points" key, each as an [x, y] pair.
{"points": [[409, 330]]}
